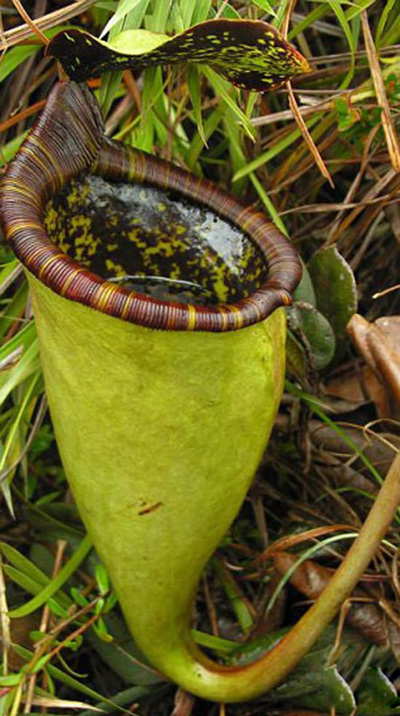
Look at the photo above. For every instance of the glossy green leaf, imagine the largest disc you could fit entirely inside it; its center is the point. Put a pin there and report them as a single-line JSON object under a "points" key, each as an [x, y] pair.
{"points": [[335, 288], [249, 53]]}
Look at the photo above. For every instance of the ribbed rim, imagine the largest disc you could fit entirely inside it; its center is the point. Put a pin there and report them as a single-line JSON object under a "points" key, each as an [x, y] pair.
{"points": [[67, 141]]}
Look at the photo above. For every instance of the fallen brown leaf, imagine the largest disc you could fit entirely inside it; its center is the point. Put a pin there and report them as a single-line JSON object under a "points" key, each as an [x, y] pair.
{"points": [[364, 613], [378, 351]]}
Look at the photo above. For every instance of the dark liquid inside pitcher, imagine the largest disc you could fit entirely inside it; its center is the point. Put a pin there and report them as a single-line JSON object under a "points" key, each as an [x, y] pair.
{"points": [[154, 242]]}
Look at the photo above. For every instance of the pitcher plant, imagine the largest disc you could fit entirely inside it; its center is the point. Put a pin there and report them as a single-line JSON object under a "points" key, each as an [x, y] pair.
{"points": [[159, 303]]}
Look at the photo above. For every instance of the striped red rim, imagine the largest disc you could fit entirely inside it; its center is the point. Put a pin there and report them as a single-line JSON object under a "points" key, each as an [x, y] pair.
{"points": [[67, 141]]}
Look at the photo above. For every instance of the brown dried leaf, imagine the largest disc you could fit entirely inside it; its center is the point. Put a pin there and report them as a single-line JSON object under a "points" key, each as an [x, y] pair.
{"points": [[346, 386], [377, 392], [390, 327], [364, 614], [339, 458], [307, 136], [378, 351]]}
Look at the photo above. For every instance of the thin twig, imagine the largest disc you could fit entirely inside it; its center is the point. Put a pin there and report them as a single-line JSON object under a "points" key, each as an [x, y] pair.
{"points": [[355, 184], [4, 621], [25, 16], [307, 136], [387, 290], [295, 109], [61, 545], [24, 32]]}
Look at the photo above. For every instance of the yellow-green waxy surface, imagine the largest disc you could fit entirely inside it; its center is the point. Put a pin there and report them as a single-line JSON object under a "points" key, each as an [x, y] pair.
{"points": [[160, 433]]}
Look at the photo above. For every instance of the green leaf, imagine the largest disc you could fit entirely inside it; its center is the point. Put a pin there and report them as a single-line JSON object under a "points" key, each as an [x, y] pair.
{"points": [[249, 53], [386, 10], [313, 684], [161, 11], [11, 679], [76, 685], [23, 564], [224, 92], [13, 309], [212, 642], [314, 332], [124, 7], [102, 578], [194, 87], [266, 6], [50, 589], [15, 57], [122, 655], [328, 691], [28, 363], [200, 11], [266, 200], [335, 289], [23, 580], [305, 289], [18, 54], [376, 695], [274, 151]]}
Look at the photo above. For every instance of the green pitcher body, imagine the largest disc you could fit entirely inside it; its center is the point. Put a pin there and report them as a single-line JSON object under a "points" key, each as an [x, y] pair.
{"points": [[160, 434], [162, 404]]}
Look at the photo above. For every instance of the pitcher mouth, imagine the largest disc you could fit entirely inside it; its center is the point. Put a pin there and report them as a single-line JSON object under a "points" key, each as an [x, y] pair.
{"points": [[55, 225]]}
